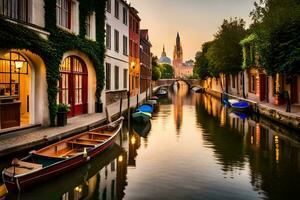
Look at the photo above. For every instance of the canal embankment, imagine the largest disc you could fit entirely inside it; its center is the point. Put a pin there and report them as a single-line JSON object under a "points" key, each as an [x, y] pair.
{"points": [[21, 141], [274, 113]]}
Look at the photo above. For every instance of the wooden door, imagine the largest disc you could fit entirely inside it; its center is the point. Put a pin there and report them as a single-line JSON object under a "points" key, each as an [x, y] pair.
{"points": [[73, 85], [262, 83]]}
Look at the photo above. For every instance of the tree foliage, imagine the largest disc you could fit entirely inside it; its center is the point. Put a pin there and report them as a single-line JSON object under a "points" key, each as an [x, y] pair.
{"points": [[156, 73], [202, 68], [167, 71], [225, 54], [276, 24]]}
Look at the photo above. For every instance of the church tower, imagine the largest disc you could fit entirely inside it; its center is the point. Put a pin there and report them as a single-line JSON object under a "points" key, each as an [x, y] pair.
{"points": [[177, 56]]}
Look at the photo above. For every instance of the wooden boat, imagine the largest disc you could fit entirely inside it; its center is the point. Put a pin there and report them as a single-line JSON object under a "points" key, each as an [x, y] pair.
{"points": [[60, 157], [154, 98], [56, 187], [148, 108], [198, 89], [162, 92], [142, 129], [143, 117]]}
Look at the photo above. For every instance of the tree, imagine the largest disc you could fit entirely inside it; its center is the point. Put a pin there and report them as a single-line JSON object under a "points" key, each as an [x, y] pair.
{"points": [[167, 71], [156, 73], [277, 25], [225, 53], [202, 68]]}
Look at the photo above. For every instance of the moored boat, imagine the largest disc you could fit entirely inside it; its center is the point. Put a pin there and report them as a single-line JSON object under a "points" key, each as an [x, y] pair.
{"points": [[148, 108], [237, 105], [60, 157], [143, 117], [142, 129], [162, 92]]}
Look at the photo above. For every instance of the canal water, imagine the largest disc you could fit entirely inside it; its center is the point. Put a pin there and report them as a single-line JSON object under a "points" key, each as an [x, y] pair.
{"points": [[195, 149]]}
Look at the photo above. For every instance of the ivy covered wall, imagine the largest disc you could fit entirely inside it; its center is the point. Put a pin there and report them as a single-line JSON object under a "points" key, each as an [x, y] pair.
{"points": [[14, 36]]}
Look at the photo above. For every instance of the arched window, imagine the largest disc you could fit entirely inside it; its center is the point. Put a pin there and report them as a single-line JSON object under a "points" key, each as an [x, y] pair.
{"points": [[73, 85]]}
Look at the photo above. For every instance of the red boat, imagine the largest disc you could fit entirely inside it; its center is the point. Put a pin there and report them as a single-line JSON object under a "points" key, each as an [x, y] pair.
{"points": [[60, 157]]}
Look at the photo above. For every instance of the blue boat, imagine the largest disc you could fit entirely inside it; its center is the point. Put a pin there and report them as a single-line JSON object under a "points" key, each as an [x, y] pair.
{"points": [[237, 105], [148, 108], [242, 105]]}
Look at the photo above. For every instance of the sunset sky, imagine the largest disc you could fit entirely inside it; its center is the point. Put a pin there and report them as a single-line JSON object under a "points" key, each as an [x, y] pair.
{"points": [[196, 21]]}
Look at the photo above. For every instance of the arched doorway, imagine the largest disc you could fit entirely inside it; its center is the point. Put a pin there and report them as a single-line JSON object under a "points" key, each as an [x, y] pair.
{"points": [[73, 85], [15, 89]]}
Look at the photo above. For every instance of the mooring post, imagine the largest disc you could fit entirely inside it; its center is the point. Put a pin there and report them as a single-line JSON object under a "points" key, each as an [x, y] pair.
{"points": [[121, 104], [137, 101], [146, 94], [128, 105]]}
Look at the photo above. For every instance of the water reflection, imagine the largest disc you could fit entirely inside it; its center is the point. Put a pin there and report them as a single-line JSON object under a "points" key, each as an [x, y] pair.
{"points": [[273, 157], [196, 149]]}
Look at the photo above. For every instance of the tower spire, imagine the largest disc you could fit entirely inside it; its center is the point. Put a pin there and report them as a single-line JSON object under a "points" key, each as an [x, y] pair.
{"points": [[164, 52]]}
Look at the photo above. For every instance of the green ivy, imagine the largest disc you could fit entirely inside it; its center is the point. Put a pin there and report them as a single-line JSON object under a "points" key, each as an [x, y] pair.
{"points": [[248, 45], [14, 36]]}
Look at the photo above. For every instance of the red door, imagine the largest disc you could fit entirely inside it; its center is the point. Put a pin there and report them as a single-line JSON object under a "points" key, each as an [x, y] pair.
{"points": [[73, 85], [262, 83]]}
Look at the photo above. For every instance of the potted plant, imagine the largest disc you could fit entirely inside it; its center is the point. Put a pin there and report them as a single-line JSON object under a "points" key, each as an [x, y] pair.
{"points": [[98, 106], [62, 114]]}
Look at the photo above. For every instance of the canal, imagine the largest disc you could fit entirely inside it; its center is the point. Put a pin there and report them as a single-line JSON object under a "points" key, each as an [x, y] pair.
{"points": [[196, 149]]}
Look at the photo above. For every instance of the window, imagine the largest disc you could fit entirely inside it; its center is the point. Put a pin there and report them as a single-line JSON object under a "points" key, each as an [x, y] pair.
{"points": [[88, 25], [10, 75], [108, 6], [252, 83], [63, 13], [125, 16], [116, 77], [117, 9], [125, 74], [16, 9], [108, 36], [108, 76], [116, 41], [125, 45]]}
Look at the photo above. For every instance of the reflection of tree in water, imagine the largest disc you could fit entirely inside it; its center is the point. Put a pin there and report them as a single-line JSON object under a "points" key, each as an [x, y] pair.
{"points": [[227, 145], [274, 161]]}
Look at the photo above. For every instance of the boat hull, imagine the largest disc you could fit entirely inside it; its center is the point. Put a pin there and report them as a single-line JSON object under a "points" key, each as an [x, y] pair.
{"points": [[44, 174]]}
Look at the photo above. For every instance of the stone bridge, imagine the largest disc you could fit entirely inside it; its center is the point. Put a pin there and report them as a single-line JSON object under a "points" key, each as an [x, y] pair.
{"points": [[168, 82]]}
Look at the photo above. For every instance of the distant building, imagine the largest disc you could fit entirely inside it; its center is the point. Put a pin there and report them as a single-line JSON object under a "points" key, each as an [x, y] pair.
{"points": [[116, 60], [134, 51], [164, 58], [177, 57], [181, 69], [145, 58], [187, 69]]}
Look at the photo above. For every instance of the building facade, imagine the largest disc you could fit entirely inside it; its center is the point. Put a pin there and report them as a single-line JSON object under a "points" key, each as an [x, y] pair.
{"points": [[177, 57], [117, 51], [134, 52], [28, 81], [145, 59]]}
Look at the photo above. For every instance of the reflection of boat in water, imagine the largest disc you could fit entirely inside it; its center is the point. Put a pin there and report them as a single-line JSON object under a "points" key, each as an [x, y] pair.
{"points": [[142, 129], [60, 157], [237, 114], [80, 181]]}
